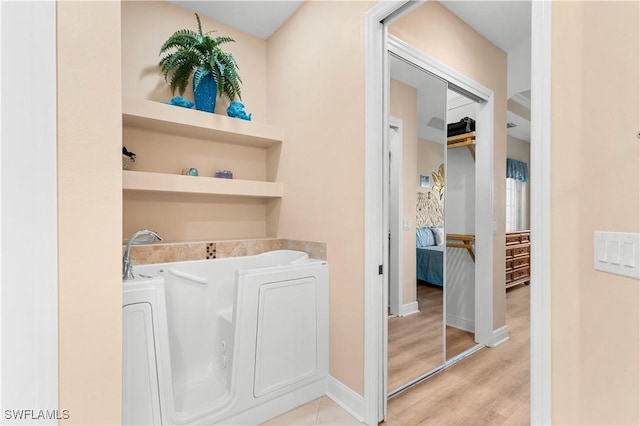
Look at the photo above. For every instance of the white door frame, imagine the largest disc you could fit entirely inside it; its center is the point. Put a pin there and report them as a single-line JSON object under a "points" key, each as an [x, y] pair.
{"points": [[376, 124], [540, 212], [28, 209], [394, 165]]}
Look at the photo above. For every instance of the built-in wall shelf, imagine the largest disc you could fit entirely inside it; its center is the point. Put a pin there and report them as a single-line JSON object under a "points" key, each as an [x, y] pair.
{"points": [[163, 182], [164, 118]]}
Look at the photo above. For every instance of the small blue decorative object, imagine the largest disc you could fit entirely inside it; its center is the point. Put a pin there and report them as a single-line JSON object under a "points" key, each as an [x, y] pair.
{"points": [[236, 110], [190, 171], [224, 174], [181, 102]]}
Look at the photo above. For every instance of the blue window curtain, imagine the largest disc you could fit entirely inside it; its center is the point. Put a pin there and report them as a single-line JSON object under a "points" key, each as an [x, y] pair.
{"points": [[517, 170]]}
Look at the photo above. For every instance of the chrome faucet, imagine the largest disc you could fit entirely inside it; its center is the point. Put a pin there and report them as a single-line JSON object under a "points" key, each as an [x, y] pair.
{"points": [[127, 267]]}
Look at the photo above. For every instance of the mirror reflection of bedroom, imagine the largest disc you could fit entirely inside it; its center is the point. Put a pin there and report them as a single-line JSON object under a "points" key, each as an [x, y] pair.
{"points": [[431, 224]]}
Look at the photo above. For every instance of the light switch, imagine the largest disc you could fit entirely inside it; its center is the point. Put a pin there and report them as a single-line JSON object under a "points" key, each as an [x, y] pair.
{"points": [[601, 248], [405, 225], [617, 253], [613, 252], [628, 254]]}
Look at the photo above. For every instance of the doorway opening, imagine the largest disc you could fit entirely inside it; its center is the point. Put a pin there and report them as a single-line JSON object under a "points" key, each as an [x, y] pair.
{"points": [[376, 36]]}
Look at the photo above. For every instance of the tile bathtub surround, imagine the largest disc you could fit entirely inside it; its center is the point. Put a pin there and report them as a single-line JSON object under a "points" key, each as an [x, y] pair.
{"points": [[161, 253], [177, 252], [211, 251], [247, 247], [315, 250]]}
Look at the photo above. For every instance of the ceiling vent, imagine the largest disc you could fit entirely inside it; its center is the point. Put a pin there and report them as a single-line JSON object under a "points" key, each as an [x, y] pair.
{"points": [[436, 123], [511, 125]]}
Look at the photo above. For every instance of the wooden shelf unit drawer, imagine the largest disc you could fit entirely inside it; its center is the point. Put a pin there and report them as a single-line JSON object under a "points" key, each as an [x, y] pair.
{"points": [[520, 262], [520, 273], [513, 238], [517, 258], [520, 250]]}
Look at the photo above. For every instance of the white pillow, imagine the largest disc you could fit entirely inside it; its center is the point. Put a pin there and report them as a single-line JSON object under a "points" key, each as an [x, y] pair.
{"points": [[438, 234]]}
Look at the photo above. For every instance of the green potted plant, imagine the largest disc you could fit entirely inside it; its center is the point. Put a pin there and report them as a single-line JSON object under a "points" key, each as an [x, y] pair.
{"points": [[215, 72]]}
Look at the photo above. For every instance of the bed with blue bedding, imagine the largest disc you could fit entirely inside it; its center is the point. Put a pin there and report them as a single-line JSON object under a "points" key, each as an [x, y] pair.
{"points": [[429, 255]]}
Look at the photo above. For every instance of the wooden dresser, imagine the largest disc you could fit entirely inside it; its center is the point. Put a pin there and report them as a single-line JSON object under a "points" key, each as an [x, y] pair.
{"points": [[518, 266]]}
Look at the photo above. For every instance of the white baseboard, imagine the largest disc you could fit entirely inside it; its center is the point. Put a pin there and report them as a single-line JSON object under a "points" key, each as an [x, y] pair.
{"points": [[461, 323], [500, 335], [345, 397], [408, 309]]}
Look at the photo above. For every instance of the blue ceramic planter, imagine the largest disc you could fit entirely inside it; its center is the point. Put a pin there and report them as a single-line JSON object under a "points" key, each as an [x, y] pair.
{"points": [[206, 92]]}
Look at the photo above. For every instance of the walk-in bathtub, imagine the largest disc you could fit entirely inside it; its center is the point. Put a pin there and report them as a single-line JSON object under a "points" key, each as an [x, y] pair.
{"points": [[224, 341]]}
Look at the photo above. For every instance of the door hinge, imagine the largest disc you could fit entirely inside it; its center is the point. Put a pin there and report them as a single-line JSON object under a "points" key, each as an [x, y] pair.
{"points": [[379, 269]]}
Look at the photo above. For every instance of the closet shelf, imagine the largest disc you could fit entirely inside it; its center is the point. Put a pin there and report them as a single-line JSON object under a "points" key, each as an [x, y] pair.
{"points": [[162, 182], [463, 241], [465, 139], [164, 118]]}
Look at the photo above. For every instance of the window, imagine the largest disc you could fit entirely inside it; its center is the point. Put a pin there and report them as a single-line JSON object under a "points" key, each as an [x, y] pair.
{"points": [[515, 208], [517, 197]]}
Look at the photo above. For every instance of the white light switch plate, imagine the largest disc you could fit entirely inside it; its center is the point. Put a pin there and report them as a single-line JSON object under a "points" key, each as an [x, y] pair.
{"points": [[617, 253]]}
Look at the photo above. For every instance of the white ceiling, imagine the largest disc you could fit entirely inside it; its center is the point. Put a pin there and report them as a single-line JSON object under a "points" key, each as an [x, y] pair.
{"points": [[259, 18], [505, 23]]}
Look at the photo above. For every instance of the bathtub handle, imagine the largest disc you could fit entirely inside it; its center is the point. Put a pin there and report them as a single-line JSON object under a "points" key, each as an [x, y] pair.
{"points": [[189, 277]]}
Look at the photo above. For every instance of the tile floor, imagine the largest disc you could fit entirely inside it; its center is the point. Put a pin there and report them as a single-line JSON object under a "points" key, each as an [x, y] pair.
{"points": [[321, 411]]}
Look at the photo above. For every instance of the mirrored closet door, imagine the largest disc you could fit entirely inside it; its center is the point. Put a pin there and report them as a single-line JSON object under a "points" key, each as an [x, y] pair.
{"points": [[417, 238], [431, 192]]}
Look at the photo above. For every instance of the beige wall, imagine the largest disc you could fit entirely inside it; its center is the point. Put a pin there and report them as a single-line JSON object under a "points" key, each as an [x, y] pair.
{"points": [[519, 150], [403, 104], [89, 211], [595, 185], [430, 156], [146, 25], [434, 30], [181, 217], [316, 92]]}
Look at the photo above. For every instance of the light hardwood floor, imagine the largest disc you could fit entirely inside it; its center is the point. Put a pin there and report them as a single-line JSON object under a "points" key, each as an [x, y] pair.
{"points": [[491, 387], [415, 341]]}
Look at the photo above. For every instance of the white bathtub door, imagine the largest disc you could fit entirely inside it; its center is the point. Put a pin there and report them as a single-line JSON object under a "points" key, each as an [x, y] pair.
{"points": [[287, 337], [140, 396]]}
